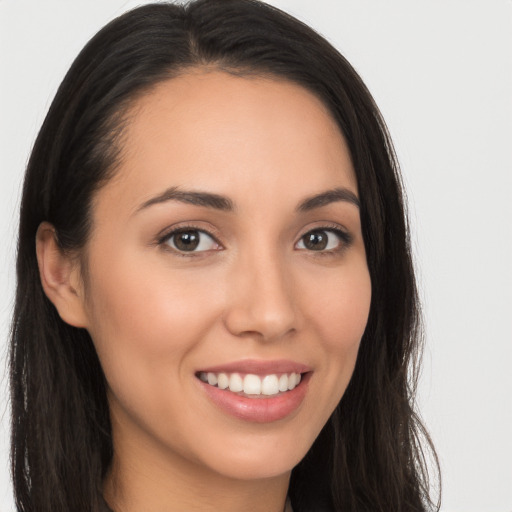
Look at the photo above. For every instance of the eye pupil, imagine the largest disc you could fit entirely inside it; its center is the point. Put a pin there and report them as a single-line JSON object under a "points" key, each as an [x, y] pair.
{"points": [[316, 240], [186, 240]]}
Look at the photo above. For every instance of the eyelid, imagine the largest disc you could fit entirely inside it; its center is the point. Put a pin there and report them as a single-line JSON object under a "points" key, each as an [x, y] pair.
{"points": [[164, 236], [323, 225], [341, 232]]}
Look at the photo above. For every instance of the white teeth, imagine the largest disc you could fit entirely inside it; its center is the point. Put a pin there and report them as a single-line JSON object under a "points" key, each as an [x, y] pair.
{"points": [[283, 382], [251, 384], [235, 383], [270, 385], [222, 381]]}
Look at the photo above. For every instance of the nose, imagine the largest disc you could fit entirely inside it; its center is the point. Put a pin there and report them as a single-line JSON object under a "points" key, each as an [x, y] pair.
{"points": [[261, 298]]}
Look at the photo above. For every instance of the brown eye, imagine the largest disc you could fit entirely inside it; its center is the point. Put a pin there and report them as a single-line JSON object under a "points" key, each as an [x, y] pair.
{"points": [[191, 240], [323, 240], [316, 240]]}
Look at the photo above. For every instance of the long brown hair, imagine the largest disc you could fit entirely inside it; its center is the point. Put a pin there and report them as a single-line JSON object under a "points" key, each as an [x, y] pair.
{"points": [[369, 456]]}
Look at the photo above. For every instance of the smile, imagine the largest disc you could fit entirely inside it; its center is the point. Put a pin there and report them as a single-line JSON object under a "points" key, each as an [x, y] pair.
{"points": [[256, 391], [251, 385]]}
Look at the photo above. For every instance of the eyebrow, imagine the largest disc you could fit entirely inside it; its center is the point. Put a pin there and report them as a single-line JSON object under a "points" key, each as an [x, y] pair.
{"points": [[206, 199], [330, 196], [223, 203]]}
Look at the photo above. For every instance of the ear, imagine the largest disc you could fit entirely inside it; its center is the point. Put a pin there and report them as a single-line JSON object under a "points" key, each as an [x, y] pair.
{"points": [[60, 277]]}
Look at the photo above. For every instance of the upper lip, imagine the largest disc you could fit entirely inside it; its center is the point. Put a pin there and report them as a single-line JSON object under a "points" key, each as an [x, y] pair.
{"points": [[259, 367]]}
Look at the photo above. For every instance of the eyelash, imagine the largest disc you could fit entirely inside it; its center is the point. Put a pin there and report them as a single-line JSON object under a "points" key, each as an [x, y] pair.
{"points": [[344, 237], [345, 240], [165, 238]]}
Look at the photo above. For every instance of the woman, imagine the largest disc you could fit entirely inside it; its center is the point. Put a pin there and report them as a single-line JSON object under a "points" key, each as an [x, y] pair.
{"points": [[216, 307]]}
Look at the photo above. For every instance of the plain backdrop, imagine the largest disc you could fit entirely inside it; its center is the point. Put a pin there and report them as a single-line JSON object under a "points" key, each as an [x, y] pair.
{"points": [[441, 72]]}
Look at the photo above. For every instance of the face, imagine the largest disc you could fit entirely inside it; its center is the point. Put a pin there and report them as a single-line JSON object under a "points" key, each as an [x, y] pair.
{"points": [[227, 249]]}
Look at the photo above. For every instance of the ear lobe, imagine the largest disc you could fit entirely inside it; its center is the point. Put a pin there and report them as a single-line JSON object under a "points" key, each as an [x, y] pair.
{"points": [[60, 277]]}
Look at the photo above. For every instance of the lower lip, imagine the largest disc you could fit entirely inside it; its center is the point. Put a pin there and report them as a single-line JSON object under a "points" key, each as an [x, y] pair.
{"points": [[258, 410]]}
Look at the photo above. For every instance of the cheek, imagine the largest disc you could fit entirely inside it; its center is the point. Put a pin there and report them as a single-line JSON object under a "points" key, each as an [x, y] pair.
{"points": [[129, 300], [340, 309], [142, 318], [144, 329], [339, 312]]}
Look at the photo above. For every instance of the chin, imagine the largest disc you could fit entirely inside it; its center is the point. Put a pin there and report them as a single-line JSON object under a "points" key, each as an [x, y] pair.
{"points": [[257, 469], [259, 458]]}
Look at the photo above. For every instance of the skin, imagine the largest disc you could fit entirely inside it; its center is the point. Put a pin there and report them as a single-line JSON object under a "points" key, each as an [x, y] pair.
{"points": [[156, 316]]}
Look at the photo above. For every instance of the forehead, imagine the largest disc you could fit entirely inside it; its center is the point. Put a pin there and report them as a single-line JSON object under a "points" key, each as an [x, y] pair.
{"points": [[230, 134]]}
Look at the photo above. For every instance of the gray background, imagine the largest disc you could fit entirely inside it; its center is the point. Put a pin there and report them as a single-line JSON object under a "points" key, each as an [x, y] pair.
{"points": [[441, 72]]}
